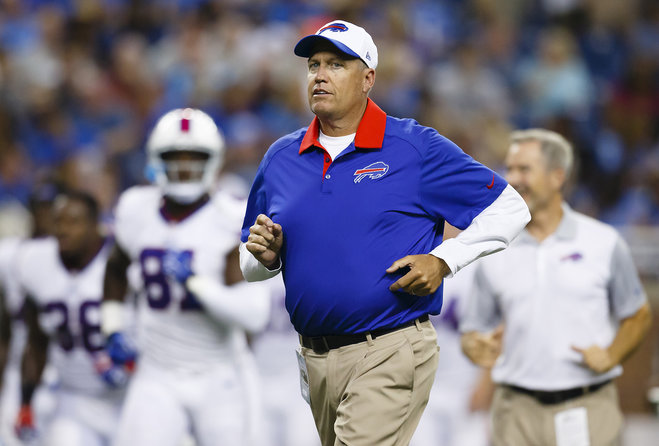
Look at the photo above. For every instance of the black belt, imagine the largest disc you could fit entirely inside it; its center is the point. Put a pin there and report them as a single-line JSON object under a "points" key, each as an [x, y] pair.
{"points": [[323, 344], [558, 396]]}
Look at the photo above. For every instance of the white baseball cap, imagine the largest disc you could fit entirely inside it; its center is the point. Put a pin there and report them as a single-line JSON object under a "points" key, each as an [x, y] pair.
{"points": [[346, 37]]}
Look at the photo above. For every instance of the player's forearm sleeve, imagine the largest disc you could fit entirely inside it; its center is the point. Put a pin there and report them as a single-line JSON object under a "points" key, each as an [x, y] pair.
{"points": [[252, 269], [491, 231], [244, 304]]}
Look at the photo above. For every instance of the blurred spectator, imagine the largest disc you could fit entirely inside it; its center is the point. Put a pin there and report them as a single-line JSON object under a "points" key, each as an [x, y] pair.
{"points": [[554, 81], [82, 82], [467, 87]]}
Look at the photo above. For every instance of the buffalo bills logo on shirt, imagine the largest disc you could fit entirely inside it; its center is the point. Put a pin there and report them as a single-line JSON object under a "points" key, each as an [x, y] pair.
{"points": [[574, 257], [334, 27], [372, 171]]}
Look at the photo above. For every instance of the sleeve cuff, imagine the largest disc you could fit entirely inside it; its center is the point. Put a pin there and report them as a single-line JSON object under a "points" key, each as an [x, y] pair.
{"points": [[252, 269]]}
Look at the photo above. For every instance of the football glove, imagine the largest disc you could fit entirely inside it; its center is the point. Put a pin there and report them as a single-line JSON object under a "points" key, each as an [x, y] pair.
{"points": [[120, 349], [178, 265], [114, 375], [24, 425]]}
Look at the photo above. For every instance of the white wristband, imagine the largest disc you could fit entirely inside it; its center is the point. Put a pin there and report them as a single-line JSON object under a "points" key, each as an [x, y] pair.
{"points": [[112, 316]]}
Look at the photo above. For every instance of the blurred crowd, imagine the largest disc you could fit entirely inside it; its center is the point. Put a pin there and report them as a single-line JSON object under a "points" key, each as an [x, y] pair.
{"points": [[82, 82]]}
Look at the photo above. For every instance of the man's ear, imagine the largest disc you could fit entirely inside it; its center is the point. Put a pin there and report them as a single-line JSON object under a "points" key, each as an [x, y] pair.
{"points": [[369, 80], [558, 178]]}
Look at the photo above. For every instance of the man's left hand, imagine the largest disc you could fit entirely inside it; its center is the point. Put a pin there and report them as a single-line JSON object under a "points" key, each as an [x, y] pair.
{"points": [[120, 348], [596, 358], [425, 274], [177, 265]]}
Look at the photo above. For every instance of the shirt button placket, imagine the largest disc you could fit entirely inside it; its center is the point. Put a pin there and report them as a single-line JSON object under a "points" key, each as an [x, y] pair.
{"points": [[326, 187]]}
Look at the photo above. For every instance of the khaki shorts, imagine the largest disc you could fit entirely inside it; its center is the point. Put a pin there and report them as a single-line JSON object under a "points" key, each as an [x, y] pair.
{"points": [[373, 392]]}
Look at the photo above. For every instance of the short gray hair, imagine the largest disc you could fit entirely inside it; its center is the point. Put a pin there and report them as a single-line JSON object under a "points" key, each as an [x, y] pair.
{"points": [[557, 150]]}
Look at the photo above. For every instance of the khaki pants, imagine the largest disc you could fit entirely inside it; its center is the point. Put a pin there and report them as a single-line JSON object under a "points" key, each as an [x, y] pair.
{"points": [[520, 420], [373, 393]]}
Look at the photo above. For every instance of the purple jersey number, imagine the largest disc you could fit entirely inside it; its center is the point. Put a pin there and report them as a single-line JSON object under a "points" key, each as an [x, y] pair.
{"points": [[156, 283], [90, 331]]}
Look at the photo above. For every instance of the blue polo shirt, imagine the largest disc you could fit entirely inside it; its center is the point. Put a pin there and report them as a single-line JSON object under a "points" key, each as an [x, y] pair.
{"points": [[346, 221]]}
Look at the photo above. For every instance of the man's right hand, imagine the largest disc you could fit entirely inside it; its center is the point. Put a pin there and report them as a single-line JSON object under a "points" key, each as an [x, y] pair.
{"points": [[482, 348], [120, 349], [265, 241]]}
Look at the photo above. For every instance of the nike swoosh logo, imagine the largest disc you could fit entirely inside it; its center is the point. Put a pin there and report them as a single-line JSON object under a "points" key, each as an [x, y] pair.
{"points": [[489, 186]]}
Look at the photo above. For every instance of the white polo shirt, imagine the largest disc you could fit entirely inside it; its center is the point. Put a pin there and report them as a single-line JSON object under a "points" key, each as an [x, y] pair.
{"points": [[571, 289]]}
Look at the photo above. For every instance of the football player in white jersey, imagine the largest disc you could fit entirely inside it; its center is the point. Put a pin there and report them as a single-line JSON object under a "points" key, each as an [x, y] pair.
{"points": [[62, 278], [12, 337], [194, 372], [13, 333], [450, 418], [456, 414], [287, 418]]}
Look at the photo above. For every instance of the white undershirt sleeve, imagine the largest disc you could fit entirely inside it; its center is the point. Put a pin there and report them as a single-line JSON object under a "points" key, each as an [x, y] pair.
{"points": [[491, 231], [244, 304], [252, 269]]}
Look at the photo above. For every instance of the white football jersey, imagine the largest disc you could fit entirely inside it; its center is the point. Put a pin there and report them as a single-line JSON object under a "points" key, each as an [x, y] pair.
{"points": [[173, 329], [456, 374], [447, 419], [13, 302], [275, 346], [287, 419], [13, 298], [69, 313]]}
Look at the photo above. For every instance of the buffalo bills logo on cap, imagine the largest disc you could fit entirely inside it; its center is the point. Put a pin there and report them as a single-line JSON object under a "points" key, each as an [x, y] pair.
{"points": [[372, 171], [334, 27], [348, 38]]}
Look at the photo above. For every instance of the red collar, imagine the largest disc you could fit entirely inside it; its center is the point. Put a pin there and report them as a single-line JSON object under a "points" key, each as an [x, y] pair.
{"points": [[370, 132]]}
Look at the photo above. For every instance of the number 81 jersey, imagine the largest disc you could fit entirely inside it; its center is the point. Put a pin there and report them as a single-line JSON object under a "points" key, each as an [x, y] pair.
{"points": [[173, 329], [69, 311]]}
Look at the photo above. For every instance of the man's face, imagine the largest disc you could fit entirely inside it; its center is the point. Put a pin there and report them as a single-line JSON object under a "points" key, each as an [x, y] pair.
{"points": [[184, 166], [527, 172], [74, 228], [336, 86]]}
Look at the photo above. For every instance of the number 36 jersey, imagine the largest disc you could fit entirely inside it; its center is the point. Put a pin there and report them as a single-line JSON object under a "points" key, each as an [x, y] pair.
{"points": [[69, 311], [173, 329]]}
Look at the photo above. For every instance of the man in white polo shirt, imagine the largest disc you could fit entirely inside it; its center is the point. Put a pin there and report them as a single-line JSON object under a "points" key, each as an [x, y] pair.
{"points": [[571, 304]]}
